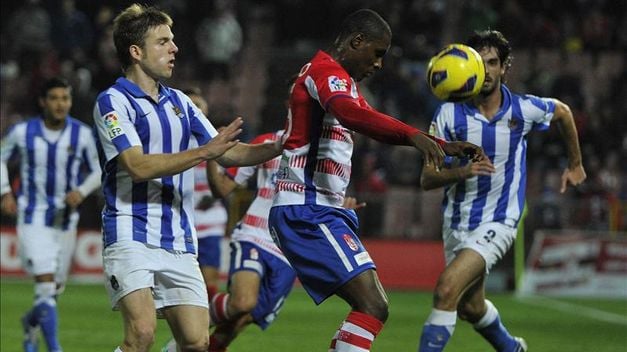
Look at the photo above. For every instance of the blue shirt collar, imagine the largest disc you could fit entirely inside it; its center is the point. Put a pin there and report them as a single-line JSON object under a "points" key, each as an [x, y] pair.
{"points": [[471, 110], [134, 90]]}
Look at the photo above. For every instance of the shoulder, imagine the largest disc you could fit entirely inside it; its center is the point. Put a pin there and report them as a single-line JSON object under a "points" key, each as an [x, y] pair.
{"points": [[20, 127], [446, 111]]}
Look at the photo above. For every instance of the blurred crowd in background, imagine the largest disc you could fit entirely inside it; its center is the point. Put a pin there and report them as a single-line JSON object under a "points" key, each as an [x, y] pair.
{"points": [[242, 54]]}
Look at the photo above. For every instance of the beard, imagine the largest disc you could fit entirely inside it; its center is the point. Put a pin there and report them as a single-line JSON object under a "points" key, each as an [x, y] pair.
{"points": [[488, 89]]}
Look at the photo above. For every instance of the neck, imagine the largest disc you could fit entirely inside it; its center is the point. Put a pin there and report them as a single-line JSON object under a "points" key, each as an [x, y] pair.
{"points": [[52, 124], [489, 104], [147, 83]]}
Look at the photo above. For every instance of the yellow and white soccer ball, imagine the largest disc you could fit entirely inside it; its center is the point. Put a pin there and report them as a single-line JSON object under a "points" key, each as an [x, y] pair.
{"points": [[456, 73]]}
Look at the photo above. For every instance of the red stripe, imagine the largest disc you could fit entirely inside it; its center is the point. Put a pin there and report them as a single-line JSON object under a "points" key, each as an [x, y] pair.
{"points": [[365, 321], [332, 167], [265, 192], [336, 134], [289, 186], [201, 187], [354, 339], [255, 221], [207, 226], [271, 164]]}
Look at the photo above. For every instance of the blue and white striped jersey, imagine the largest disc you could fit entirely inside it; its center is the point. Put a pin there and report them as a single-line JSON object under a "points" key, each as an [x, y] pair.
{"points": [[499, 197], [159, 212], [49, 169]]}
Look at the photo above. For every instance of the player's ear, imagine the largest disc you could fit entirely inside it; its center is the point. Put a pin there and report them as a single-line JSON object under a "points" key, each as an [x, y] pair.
{"points": [[135, 51], [358, 40]]}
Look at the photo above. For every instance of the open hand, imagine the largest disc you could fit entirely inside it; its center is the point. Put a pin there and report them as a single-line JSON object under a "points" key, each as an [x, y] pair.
{"points": [[73, 199], [224, 140], [464, 149], [8, 204]]}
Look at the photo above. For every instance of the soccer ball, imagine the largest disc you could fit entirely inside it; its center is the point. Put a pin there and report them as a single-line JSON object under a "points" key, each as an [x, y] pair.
{"points": [[456, 73]]}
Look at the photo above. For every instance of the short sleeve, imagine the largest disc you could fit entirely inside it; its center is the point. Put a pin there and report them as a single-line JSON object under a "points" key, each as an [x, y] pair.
{"points": [[114, 125]]}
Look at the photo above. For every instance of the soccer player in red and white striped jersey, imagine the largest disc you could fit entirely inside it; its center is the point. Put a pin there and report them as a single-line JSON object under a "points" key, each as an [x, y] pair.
{"points": [[317, 235]]}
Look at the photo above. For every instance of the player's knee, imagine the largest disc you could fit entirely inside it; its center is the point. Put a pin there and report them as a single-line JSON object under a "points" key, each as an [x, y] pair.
{"points": [[445, 295], [377, 308], [141, 335], [470, 311], [200, 345], [242, 304]]}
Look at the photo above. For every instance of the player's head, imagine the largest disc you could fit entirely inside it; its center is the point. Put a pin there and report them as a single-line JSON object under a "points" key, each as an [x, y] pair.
{"points": [[55, 100], [195, 95], [496, 52], [143, 36], [363, 39]]}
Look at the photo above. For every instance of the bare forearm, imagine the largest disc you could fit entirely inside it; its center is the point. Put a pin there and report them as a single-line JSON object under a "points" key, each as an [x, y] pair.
{"points": [[143, 167], [249, 154], [432, 179], [568, 130]]}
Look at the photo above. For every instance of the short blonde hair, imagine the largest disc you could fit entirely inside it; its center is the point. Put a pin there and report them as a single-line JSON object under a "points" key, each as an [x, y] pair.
{"points": [[131, 25]]}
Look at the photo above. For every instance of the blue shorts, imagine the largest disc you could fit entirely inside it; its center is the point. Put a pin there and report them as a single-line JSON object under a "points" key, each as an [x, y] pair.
{"points": [[277, 279], [209, 251], [321, 244]]}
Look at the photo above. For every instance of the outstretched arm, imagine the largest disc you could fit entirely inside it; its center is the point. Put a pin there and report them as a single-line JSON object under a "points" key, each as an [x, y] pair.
{"points": [[574, 174], [432, 178], [143, 167], [245, 154]]}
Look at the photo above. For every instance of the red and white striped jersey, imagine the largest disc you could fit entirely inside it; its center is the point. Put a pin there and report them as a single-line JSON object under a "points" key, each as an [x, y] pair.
{"points": [[316, 163], [210, 215], [254, 225]]}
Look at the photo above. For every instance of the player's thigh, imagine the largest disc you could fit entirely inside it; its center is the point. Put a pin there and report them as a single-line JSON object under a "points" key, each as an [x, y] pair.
{"points": [[276, 285], [189, 324], [67, 244], [39, 249], [364, 290], [138, 312], [467, 267], [244, 285]]}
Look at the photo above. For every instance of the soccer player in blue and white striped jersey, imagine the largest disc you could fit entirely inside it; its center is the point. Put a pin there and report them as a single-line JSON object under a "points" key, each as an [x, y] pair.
{"points": [[484, 198], [58, 169], [151, 137]]}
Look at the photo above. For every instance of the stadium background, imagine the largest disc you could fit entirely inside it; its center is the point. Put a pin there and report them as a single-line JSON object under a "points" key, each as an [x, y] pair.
{"points": [[573, 50]]}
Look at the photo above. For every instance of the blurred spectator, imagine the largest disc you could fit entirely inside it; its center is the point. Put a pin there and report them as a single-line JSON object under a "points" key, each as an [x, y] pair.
{"points": [[72, 32], [219, 39]]}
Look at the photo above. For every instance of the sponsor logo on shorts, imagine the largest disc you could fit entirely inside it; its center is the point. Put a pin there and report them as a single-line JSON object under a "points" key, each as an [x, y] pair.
{"points": [[114, 283], [337, 84], [362, 258], [254, 254], [350, 242]]}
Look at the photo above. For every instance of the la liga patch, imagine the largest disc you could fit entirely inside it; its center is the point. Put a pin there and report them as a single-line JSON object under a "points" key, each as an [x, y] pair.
{"points": [[337, 84], [112, 125]]}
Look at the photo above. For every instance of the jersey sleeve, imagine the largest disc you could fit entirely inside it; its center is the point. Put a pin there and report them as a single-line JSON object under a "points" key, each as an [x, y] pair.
{"points": [[200, 125], [539, 111], [326, 82], [7, 147], [90, 159], [113, 120]]}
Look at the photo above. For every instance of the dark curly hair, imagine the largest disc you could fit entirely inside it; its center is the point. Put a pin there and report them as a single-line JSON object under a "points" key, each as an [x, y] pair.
{"points": [[491, 38]]}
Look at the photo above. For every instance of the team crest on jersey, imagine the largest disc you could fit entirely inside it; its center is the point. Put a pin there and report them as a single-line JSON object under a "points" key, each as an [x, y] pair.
{"points": [[350, 242], [112, 124], [337, 84], [177, 111], [512, 124]]}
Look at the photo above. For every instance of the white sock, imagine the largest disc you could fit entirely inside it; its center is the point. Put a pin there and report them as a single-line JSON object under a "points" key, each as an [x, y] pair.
{"points": [[442, 318], [118, 349], [489, 316]]}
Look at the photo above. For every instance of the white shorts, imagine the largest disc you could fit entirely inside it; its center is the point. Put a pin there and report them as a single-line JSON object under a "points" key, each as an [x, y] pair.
{"points": [[46, 250], [491, 240], [174, 276]]}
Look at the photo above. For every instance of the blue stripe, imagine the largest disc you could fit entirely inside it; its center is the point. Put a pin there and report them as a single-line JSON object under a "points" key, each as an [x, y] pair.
{"points": [[460, 124], [515, 136], [70, 176], [186, 133], [315, 130], [51, 177], [33, 129], [109, 188], [523, 179], [488, 141], [167, 188]]}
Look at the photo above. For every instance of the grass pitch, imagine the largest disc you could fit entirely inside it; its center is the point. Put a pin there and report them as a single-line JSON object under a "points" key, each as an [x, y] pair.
{"points": [[585, 325]]}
